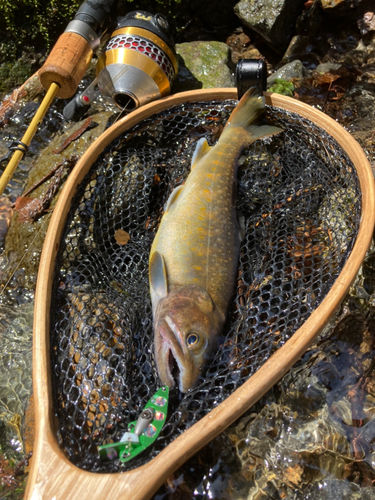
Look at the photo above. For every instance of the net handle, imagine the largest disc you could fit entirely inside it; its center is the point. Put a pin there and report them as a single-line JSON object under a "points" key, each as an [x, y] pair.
{"points": [[51, 472]]}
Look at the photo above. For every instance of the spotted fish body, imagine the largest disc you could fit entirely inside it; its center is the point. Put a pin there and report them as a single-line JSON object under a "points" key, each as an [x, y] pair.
{"points": [[193, 259]]}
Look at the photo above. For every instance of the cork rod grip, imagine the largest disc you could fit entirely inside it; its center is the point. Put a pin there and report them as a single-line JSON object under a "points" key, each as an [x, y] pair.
{"points": [[66, 64]]}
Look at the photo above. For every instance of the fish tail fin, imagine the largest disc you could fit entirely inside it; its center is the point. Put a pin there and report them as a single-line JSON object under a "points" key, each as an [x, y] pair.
{"points": [[250, 107]]}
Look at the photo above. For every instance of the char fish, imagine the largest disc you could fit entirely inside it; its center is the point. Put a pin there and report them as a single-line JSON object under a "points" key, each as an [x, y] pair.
{"points": [[193, 259]]}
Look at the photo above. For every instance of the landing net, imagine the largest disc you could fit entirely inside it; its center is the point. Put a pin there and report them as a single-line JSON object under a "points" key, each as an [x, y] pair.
{"points": [[300, 198]]}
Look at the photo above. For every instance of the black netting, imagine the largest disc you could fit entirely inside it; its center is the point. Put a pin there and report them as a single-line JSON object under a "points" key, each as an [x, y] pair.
{"points": [[300, 198]]}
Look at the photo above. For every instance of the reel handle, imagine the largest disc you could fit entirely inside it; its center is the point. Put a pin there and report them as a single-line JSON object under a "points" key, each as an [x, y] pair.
{"points": [[66, 64]]}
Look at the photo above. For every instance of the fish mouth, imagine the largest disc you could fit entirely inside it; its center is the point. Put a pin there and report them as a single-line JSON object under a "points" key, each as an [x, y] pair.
{"points": [[179, 372], [168, 356], [173, 368], [173, 364]]}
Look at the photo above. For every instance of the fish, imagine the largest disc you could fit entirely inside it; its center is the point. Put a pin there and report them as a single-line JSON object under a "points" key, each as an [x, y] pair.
{"points": [[194, 256]]}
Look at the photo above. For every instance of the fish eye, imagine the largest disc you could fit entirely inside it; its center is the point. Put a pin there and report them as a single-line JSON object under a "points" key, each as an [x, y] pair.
{"points": [[192, 340]]}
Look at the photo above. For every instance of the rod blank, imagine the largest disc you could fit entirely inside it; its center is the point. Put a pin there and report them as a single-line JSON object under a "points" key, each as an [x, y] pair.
{"points": [[29, 134]]}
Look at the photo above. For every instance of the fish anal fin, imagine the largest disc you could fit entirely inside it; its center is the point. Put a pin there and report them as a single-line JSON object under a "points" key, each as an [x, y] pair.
{"points": [[158, 277], [173, 197], [201, 149]]}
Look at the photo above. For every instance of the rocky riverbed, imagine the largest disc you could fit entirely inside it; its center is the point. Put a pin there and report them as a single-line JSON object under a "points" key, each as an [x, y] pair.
{"points": [[303, 439]]}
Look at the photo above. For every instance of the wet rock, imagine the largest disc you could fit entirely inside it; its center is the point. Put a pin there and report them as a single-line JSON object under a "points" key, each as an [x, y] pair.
{"points": [[15, 367], [293, 70], [28, 91], [363, 100], [241, 47], [203, 65], [332, 4], [273, 20], [24, 240], [327, 67], [367, 22], [303, 433], [301, 48], [310, 21], [339, 489]]}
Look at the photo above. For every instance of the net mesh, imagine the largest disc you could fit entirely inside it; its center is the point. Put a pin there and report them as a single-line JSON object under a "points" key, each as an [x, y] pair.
{"points": [[299, 197]]}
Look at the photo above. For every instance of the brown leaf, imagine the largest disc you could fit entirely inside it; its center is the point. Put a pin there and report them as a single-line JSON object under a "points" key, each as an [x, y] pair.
{"points": [[87, 125], [122, 237], [28, 208], [157, 179], [326, 78], [293, 474]]}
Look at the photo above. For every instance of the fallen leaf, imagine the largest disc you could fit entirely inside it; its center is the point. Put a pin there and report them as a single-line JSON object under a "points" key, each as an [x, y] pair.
{"points": [[87, 125], [326, 78], [293, 475], [157, 179], [122, 237], [28, 208]]}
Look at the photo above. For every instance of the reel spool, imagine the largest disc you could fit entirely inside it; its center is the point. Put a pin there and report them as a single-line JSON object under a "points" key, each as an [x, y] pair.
{"points": [[138, 66], [309, 219]]}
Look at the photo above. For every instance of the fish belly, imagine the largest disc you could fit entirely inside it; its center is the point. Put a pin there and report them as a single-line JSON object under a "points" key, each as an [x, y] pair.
{"points": [[199, 235]]}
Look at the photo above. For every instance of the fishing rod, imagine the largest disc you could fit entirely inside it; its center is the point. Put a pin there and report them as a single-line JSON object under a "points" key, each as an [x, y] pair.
{"points": [[64, 69], [138, 66]]}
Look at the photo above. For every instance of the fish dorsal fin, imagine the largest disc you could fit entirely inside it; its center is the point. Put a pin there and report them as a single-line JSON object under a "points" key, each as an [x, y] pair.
{"points": [[201, 149], [158, 278], [173, 197]]}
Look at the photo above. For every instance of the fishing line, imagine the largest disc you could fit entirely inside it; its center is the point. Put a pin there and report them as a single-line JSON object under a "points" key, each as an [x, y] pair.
{"points": [[121, 112]]}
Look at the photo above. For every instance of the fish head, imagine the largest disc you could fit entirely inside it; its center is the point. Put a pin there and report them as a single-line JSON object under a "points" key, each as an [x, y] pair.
{"points": [[187, 327]]}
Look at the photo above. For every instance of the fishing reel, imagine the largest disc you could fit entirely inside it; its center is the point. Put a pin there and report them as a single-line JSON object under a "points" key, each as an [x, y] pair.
{"points": [[138, 65]]}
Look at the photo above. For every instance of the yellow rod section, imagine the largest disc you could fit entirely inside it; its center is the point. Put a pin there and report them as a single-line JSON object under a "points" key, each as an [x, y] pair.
{"points": [[29, 134]]}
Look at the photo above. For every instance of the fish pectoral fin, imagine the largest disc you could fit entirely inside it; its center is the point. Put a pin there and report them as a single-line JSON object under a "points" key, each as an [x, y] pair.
{"points": [[158, 277], [201, 149], [173, 197]]}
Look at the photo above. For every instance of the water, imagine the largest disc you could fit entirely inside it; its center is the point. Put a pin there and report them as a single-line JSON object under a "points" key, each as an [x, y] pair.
{"points": [[19, 258]]}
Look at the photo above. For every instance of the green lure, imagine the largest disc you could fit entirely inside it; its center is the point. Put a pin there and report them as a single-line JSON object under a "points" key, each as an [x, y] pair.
{"points": [[142, 432]]}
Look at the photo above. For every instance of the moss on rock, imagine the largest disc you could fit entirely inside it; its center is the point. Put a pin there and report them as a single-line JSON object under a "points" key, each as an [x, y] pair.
{"points": [[14, 74], [204, 65], [25, 240]]}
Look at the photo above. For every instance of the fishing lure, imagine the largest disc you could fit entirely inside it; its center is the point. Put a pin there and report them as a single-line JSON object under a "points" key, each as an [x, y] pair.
{"points": [[142, 432]]}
